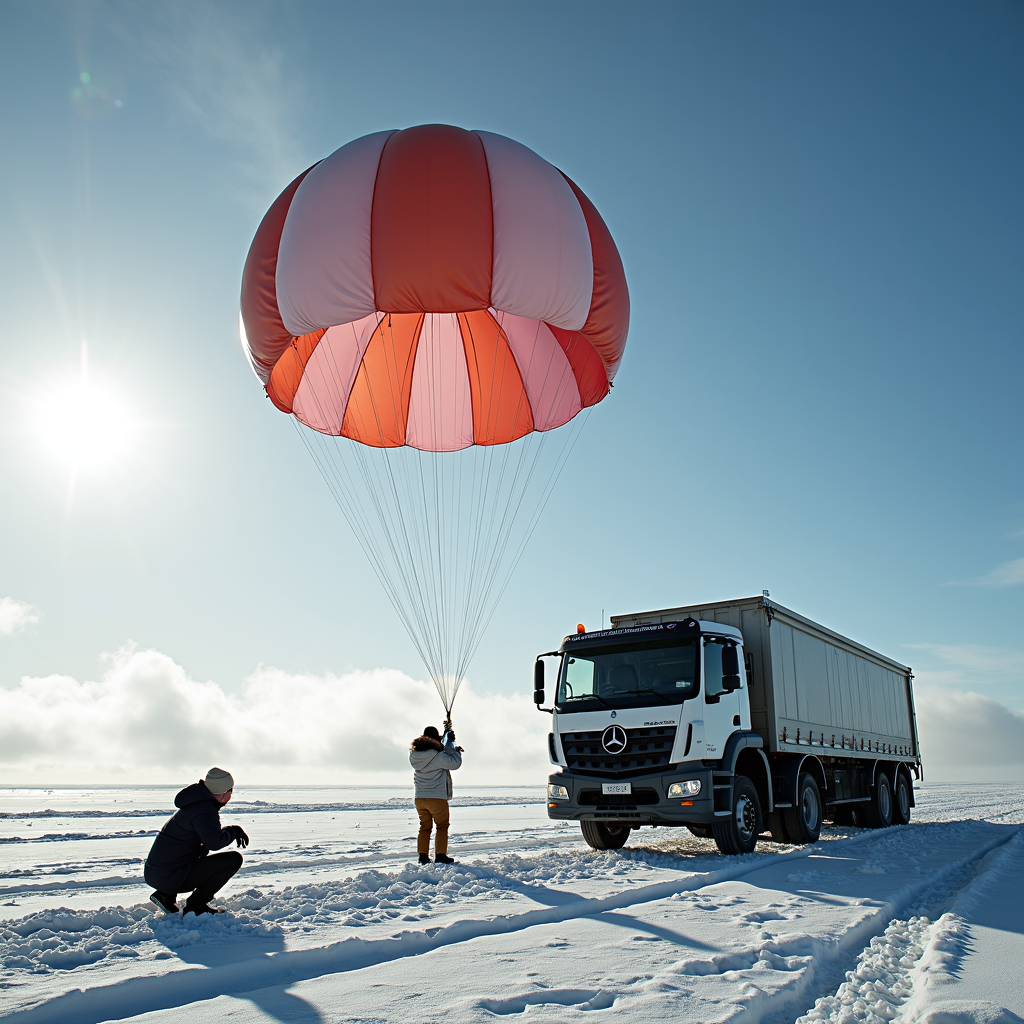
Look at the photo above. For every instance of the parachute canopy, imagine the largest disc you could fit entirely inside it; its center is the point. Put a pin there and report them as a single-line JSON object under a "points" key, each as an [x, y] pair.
{"points": [[434, 287], [434, 303]]}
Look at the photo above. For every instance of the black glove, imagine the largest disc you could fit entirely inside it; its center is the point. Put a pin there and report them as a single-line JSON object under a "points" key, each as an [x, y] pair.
{"points": [[239, 836]]}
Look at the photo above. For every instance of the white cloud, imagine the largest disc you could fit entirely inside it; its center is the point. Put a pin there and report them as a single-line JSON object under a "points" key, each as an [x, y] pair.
{"points": [[16, 615], [1009, 574], [968, 666], [967, 730], [965, 735], [147, 718]]}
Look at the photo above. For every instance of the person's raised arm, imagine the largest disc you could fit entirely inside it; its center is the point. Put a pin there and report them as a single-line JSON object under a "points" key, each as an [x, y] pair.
{"points": [[451, 755]]}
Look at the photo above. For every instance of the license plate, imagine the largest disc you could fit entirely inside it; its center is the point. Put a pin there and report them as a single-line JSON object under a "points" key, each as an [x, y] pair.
{"points": [[616, 788]]}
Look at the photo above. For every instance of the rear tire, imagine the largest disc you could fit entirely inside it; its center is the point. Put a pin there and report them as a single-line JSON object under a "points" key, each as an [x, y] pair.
{"points": [[738, 832], [600, 836], [878, 810], [803, 822], [901, 798]]}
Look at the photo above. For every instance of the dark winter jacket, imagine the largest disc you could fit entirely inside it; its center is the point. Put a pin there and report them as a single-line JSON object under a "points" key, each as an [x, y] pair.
{"points": [[189, 835], [433, 765]]}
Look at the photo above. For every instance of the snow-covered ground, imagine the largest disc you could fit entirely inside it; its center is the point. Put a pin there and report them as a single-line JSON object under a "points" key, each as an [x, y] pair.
{"points": [[331, 920]]}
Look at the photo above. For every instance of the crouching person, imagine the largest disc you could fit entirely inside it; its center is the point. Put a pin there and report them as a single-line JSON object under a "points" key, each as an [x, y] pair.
{"points": [[433, 763], [180, 859]]}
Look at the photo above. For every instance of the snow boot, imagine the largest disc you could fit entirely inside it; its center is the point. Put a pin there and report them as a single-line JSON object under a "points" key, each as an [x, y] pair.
{"points": [[165, 901], [442, 859], [424, 858]]}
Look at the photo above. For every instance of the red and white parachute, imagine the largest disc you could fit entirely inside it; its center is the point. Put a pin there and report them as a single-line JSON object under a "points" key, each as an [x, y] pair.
{"points": [[434, 303]]}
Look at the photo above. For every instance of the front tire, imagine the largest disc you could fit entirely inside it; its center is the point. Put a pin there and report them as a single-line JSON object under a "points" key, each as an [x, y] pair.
{"points": [[738, 832], [803, 822], [600, 836], [700, 831], [878, 810], [901, 800]]}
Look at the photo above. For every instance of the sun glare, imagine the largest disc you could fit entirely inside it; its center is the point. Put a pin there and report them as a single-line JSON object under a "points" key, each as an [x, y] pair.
{"points": [[86, 425]]}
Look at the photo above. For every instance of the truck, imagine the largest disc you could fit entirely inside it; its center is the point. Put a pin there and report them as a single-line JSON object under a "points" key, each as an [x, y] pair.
{"points": [[732, 719]]}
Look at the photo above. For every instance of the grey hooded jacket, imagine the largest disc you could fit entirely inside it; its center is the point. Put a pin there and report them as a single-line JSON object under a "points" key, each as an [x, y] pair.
{"points": [[433, 765]]}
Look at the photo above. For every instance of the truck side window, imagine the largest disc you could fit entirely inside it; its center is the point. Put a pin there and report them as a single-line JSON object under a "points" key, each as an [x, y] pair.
{"points": [[712, 670], [579, 678]]}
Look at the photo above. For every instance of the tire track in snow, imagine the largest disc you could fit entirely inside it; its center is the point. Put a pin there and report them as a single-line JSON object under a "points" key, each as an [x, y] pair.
{"points": [[877, 956], [814, 962], [900, 985]]}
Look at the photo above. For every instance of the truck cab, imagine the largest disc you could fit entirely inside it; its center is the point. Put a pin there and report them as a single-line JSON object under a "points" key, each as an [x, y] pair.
{"points": [[644, 721]]}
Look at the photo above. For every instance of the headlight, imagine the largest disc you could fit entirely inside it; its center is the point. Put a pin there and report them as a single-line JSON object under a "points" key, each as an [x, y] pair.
{"points": [[561, 793], [689, 788]]}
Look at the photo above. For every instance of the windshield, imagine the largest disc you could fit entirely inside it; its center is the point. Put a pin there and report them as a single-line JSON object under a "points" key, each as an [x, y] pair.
{"points": [[628, 675]]}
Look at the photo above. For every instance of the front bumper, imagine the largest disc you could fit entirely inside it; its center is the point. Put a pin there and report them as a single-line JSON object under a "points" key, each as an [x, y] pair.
{"points": [[648, 804]]}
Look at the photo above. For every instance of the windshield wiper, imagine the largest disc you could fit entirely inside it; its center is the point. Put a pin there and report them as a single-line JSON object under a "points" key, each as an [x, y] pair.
{"points": [[660, 696], [590, 696]]}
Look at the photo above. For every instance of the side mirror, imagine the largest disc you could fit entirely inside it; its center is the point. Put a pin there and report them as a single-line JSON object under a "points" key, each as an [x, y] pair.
{"points": [[730, 668], [538, 682]]}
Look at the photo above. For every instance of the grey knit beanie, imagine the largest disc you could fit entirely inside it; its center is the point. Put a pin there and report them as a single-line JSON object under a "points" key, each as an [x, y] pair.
{"points": [[219, 781]]}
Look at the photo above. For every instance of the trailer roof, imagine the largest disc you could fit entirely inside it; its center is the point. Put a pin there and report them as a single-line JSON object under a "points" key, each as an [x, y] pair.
{"points": [[775, 607]]}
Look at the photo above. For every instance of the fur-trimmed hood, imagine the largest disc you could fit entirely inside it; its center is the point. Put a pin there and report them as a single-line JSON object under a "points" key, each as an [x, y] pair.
{"points": [[426, 743]]}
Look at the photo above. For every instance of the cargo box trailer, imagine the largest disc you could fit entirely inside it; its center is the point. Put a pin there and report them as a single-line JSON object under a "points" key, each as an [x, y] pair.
{"points": [[731, 718]]}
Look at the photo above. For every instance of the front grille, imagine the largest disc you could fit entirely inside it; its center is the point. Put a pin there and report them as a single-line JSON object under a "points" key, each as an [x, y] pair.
{"points": [[645, 749], [638, 798]]}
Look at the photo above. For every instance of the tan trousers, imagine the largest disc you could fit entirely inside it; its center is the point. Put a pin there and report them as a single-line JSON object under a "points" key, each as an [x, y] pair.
{"points": [[432, 812]]}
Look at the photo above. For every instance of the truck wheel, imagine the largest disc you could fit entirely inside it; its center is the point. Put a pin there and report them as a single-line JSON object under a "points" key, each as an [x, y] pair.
{"points": [[901, 800], [803, 822], [878, 810], [738, 833], [700, 831], [600, 836]]}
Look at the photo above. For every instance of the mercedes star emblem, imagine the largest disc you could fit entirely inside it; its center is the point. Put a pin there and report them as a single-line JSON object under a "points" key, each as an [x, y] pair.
{"points": [[613, 739]]}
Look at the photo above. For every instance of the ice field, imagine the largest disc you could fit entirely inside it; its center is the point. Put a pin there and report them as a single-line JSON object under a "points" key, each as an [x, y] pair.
{"points": [[331, 920]]}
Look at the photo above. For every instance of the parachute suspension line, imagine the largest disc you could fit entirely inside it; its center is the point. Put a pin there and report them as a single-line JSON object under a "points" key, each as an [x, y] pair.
{"points": [[443, 531], [498, 589]]}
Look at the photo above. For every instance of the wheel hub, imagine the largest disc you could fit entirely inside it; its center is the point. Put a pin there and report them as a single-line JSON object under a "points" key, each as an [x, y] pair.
{"points": [[745, 816]]}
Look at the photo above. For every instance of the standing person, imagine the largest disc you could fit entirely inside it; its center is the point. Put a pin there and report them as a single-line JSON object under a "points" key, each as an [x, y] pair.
{"points": [[180, 859], [433, 763]]}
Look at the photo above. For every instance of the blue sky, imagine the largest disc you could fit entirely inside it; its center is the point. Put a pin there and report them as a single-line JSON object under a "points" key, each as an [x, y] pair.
{"points": [[820, 215]]}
